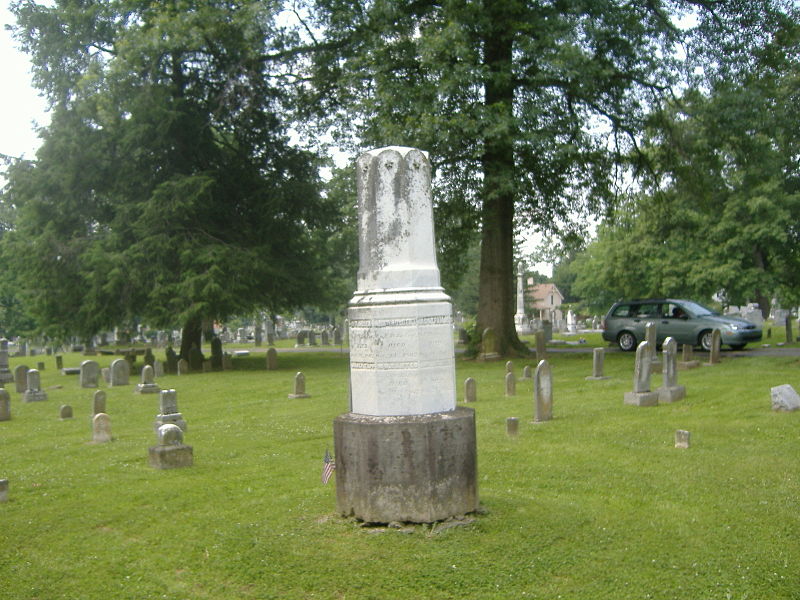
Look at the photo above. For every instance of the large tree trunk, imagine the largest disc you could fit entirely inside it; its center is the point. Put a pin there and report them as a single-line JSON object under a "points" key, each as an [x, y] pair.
{"points": [[764, 302], [496, 295], [191, 335]]}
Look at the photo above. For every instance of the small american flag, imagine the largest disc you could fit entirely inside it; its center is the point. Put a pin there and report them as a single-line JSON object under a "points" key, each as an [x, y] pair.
{"points": [[328, 466]]}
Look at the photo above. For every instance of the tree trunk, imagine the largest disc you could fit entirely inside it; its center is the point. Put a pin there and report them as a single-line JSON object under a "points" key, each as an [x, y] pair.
{"points": [[496, 295], [191, 335], [764, 302]]}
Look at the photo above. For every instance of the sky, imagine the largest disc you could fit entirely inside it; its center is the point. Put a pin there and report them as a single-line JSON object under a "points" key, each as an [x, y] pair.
{"points": [[21, 107]]}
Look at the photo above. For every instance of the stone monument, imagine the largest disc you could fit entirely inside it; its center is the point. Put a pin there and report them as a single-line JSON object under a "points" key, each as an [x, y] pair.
{"points": [[521, 323], [670, 391], [641, 394], [170, 452], [404, 452], [148, 384], [5, 405], [598, 360], [169, 410], [120, 372], [34, 393], [299, 387], [542, 392], [6, 376], [89, 374]]}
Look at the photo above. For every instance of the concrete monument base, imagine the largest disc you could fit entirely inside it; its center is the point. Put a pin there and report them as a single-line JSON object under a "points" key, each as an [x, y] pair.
{"points": [[171, 457], [414, 468], [685, 365], [641, 398], [34, 396], [671, 394]]}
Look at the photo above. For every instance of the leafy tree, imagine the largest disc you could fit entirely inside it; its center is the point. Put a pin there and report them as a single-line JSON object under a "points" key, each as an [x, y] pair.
{"points": [[523, 105], [166, 188]]}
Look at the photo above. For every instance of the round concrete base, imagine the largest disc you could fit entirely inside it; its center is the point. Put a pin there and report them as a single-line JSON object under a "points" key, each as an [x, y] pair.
{"points": [[418, 468]]}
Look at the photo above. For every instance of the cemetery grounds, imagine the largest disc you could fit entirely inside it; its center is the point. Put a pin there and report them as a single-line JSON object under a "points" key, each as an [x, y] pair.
{"points": [[597, 503]]}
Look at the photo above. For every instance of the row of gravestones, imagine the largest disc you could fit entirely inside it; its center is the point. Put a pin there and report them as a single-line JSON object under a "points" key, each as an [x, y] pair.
{"points": [[542, 389], [308, 337]]}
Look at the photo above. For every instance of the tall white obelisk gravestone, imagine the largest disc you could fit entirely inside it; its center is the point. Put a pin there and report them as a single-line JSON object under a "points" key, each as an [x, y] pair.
{"points": [[405, 452]]}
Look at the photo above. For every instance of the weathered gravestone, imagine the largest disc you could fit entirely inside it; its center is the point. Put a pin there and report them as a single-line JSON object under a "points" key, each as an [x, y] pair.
{"points": [[34, 393], [511, 385], [90, 373], [543, 392], [404, 452], [5, 405], [272, 359], [98, 402], [682, 438], [59, 362], [259, 337], [641, 394], [789, 334], [650, 336], [512, 426], [470, 390], [541, 346], [148, 384], [488, 345], [101, 428], [598, 360], [670, 391], [120, 372], [216, 354], [172, 361], [65, 412], [301, 338], [3, 490], [299, 387], [169, 411], [40, 366], [312, 338], [183, 366], [687, 358], [158, 368], [325, 338], [337, 336], [784, 398], [21, 378], [716, 343], [170, 452], [526, 372], [6, 376], [509, 366]]}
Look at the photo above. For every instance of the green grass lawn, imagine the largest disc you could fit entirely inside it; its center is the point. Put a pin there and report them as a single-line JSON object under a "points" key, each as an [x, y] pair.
{"points": [[594, 504]]}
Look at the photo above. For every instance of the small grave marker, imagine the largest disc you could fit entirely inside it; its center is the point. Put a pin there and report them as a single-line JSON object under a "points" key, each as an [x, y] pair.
{"points": [[511, 385], [543, 392], [470, 390], [5, 405], [598, 361], [641, 394], [101, 428], [272, 359], [682, 438], [65, 412], [512, 426], [299, 386]]}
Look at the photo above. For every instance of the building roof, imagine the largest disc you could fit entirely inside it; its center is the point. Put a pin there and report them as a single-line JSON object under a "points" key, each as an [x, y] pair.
{"points": [[541, 295]]}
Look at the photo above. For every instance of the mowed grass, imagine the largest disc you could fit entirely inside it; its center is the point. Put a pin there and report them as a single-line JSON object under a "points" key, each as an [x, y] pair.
{"points": [[594, 504]]}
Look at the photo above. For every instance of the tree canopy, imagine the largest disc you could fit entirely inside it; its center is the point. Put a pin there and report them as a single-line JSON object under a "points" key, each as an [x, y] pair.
{"points": [[166, 188]]}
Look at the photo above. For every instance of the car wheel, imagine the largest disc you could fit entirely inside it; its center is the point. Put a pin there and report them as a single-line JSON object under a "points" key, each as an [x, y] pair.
{"points": [[705, 340], [626, 341], [737, 346]]}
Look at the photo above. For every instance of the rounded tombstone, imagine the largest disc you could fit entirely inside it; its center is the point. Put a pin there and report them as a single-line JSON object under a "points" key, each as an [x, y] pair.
{"points": [[170, 434]]}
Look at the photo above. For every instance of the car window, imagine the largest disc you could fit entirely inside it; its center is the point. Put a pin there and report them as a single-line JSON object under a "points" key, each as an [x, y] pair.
{"points": [[699, 310], [646, 310], [623, 310], [670, 310]]}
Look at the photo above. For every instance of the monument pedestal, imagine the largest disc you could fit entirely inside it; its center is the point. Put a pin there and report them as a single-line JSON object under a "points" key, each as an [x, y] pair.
{"points": [[670, 394], [171, 457], [411, 468], [641, 398]]}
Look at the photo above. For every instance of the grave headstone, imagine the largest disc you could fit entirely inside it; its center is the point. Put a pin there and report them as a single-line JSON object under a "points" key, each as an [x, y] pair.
{"points": [[65, 412], [258, 337], [271, 339], [5, 405], [688, 361], [301, 338], [598, 360], [3, 490], [90, 373], [337, 336], [547, 328], [325, 337], [641, 394], [171, 367], [98, 402], [511, 385], [670, 391], [59, 362], [101, 428], [682, 438], [6, 376], [470, 390], [489, 345], [405, 452], [169, 411], [299, 386], [526, 372], [34, 393], [650, 336], [183, 366], [512, 426], [789, 334], [272, 359], [170, 452], [158, 368], [148, 384], [541, 346], [120, 372], [784, 398], [21, 378], [149, 357], [312, 338], [543, 392], [716, 342], [509, 366], [105, 373], [40, 366]]}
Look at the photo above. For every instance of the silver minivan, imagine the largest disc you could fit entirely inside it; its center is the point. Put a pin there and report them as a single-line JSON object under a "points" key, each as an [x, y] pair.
{"points": [[686, 321]]}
